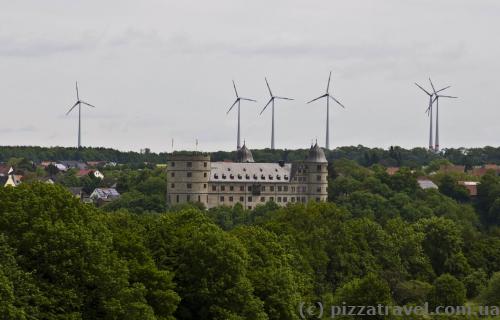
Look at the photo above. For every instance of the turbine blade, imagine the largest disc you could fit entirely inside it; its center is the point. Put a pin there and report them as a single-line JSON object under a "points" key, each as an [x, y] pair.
{"points": [[235, 102], [448, 97], [422, 89], [432, 85], [328, 85], [325, 95], [71, 109], [248, 99], [443, 89], [269, 88], [340, 104], [77, 95], [270, 100], [283, 98], [88, 104], [235, 91]]}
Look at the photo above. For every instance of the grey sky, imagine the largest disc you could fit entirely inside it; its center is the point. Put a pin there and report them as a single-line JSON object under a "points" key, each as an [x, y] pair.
{"points": [[159, 70]]}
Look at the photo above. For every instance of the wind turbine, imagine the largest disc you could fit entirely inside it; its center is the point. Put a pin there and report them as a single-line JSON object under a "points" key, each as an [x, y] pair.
{"points": [[429, 112], [238, 101], [328, 96], [271, 101], [79, 104], [436, 99]]}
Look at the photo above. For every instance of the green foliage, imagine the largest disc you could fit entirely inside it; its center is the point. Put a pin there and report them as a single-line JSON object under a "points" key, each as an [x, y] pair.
{"points": [[475, 283], [490, 295], [447, 291]]}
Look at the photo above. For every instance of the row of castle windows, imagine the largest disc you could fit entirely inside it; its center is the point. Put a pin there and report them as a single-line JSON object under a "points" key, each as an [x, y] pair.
{"points": [[242, 188], [190, 175], [250, 199], [189, 164]]}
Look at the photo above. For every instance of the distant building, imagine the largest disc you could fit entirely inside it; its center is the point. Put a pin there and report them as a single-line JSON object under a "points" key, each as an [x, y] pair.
{"points": [[452, 169], [11, 179], [95, 173], [426, 184], [480, 171], [103, 195], [194, 178], [471, 187], [5, 170], [74, 165], [392, 170]]}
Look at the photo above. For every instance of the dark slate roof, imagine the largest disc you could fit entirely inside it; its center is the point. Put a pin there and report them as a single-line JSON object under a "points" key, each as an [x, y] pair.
{"points": [[249, 172]]}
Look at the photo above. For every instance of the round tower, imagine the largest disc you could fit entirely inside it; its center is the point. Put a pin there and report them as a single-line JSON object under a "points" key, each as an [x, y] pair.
{"points": [[316, 168], [187, 178]]}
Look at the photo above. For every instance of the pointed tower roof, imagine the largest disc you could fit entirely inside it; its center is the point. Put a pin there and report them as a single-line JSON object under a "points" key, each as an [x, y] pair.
{"points": [[316, 154], [244, 154]]}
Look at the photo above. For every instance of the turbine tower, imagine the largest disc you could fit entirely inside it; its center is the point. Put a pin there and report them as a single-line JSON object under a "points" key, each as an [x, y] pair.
{"points": [[79, 104], [429, 113], [238, 102], [271, 101], [436, 99], [328, 96]]}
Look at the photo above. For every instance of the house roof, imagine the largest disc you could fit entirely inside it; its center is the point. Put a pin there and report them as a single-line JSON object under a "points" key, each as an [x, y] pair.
{"points": [[105, 193], [4, 169], [471, 186], [85, 172], [392, 170], [427, 184], [249, 172]]}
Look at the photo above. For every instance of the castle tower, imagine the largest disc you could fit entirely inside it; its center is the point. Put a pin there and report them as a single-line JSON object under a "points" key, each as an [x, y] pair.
{"points": [[187, 177], [316, 168]]}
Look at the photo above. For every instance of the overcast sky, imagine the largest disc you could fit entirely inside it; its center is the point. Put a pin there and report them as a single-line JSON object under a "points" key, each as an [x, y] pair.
{"points": [[158, 70]]}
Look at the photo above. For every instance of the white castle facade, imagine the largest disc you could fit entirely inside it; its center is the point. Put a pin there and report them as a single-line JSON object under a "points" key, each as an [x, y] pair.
{"points": [[194, 178]]}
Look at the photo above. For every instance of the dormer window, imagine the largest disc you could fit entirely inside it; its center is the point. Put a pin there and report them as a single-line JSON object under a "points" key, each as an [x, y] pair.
{"points": [[244, 169], [278, 177], [255, 176], [228, 169], [216, 176], [247, 176], [263, 177], [260, 169], [239, 176], [286, 177], [270, 177], [231, 176], [223, 176]]}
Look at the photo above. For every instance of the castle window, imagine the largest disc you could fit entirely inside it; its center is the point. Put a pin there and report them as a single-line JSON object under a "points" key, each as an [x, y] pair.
{"points": [[271, 188], [278, 177], [222, 188], [172, 174], [172, 185], [189, 164], [279, 199], [173, 164], [286, 177], [189, 186], [242, 188], [263, 188], [270, 177], [205, 164], [177, 198], [319, 167], [304, 199], [318, 189], [285, 188], [239, 176], [244, 169], [231, 176], [249, 188], [221, 198], [249, 199], [242, 199], [230, 199], [271, 198], [279, 188], [199, 198], [231, 188], [214, 188], [318, 178], [228, 169], [189, 174], [262, 199], [216, 176], [204, 186], [285, 199], [249, 207], [204, 174], [255, 176], [188, 198], [247, 176], [223, 176], [293, 199], [263, 177], [318, 199]]}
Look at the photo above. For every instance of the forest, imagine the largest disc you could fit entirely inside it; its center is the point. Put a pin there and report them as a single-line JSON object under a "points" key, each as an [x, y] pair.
{"points": [[393, 156], [380, 239]]}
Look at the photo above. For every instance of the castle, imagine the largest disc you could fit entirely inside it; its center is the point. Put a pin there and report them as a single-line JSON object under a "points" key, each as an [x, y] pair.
{"points": [[194, 178]]}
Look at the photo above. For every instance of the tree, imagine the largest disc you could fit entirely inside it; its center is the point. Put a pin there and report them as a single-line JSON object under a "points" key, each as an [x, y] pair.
{"points": [[370, 290], [475, 283], [447, 291], [491, 294]]}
